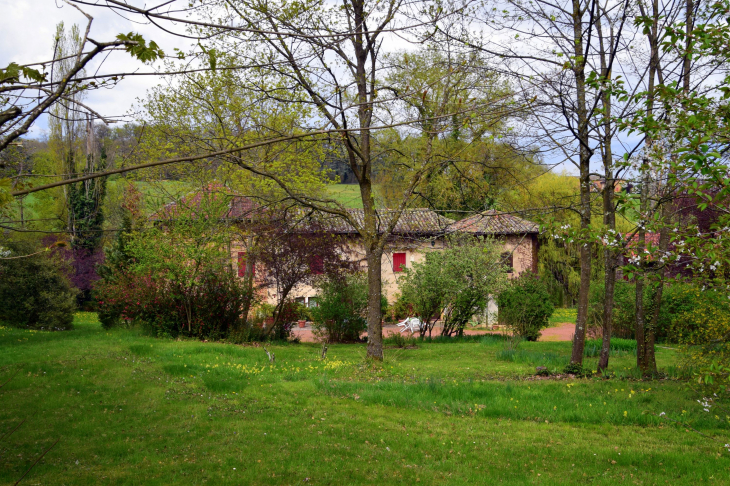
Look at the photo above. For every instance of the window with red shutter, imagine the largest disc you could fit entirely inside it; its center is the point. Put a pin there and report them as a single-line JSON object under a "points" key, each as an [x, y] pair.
{"points": [[242, 262], [399, 262]]}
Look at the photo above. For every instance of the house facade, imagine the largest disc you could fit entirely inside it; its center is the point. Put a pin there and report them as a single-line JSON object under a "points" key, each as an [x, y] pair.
{"points": [[419, 231]]}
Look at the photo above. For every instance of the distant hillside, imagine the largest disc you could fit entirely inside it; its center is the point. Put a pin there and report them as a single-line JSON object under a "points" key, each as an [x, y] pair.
{"points": [[346, 194]]}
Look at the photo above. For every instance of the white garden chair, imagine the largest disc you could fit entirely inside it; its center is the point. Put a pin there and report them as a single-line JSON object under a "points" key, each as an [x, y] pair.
{"points": [[411, 324]]}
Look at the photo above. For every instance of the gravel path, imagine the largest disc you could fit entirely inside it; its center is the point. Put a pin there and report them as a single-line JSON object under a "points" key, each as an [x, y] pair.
{"points": [[564, 332]]}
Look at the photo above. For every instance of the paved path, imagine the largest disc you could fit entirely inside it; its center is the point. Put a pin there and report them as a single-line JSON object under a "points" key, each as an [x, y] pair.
{"points": [[564, 332]]}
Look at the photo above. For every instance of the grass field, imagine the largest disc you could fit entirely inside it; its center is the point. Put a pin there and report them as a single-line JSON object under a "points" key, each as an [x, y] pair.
{"points": [[346, 194], [157, 194], [123, 408]]}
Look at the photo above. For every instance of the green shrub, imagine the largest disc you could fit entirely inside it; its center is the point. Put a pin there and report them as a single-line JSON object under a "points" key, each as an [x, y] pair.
{"points": [[526, 306], [677, 299], [164, 309], [35, 291], [454, 283], [573, 369], [342, 305], [400, 309]]}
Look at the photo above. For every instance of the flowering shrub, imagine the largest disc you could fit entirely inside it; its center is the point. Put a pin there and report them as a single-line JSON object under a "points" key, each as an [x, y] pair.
{"points": [[159, 305]]}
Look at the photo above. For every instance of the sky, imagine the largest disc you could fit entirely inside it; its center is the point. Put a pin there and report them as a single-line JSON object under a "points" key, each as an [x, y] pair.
{"points": [[27, 28]]}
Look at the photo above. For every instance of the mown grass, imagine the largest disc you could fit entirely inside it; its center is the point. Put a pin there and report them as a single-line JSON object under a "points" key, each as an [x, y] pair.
{"points": [[130, 409]]}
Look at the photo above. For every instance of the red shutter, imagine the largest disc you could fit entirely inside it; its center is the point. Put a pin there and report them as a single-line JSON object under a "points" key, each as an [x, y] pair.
{"points": [[242, 262], [316, 265], [399, 262]]}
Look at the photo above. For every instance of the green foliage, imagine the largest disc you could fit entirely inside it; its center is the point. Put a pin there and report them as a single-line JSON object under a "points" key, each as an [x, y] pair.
{"points": [[678, 299], [573, 369], [525, 306], [13, 72], [704, 332], [443, 92], [34, 290], [85, 201], [454, 283], [117, 256], [215, 105], [400, 309], [138, 47], [341, 308]]}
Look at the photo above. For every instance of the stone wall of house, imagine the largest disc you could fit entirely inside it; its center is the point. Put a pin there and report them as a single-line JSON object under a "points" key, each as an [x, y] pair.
{"points": [[523, 249]]}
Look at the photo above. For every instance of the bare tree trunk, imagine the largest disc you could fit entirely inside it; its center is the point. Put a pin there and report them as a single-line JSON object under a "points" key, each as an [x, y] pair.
{"points": [[248, 288], [585, 186], [279, 308], [374, 323], [641, 343], [687, 61], [609, 210], [640, 281], [650, 337]]}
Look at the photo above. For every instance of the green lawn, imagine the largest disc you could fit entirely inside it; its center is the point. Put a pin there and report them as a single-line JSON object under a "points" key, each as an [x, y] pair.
{"points": [[129, 409], [346, 194]]}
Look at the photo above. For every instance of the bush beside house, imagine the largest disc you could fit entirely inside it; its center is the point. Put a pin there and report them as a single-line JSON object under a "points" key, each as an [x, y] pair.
{"points": [[526, 306]]}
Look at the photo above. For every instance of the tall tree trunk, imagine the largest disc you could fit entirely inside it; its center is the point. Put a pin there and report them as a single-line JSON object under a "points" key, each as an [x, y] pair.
{"points": [[585, 187], [640, 343], [650, 367], [650, 336], [374, 318], [248, 288], [641, 335], [609, 210]]}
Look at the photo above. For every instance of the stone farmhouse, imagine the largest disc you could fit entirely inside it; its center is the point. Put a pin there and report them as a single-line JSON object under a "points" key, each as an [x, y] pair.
{"points": [[418, 231]]}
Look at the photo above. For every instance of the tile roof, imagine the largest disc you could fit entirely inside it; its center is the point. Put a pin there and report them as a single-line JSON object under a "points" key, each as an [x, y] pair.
{"points": [[416, 221], [412, 221], [494, 223]]}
